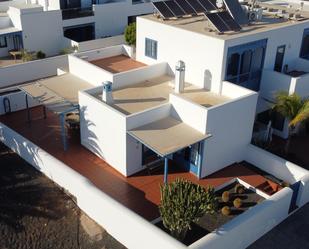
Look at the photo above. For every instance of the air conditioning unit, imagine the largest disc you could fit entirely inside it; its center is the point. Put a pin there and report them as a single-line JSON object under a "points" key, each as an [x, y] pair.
{"points": [[255, 15]]}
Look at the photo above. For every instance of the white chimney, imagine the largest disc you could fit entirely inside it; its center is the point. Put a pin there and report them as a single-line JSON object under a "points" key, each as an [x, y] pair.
{"points": [[180, 77], [107, 94]]}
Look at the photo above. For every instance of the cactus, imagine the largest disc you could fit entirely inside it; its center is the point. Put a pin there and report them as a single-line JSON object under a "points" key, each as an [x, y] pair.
{"points": [[237, 203], [239, 189], [225, 196], [226, 211], [183, 202]]}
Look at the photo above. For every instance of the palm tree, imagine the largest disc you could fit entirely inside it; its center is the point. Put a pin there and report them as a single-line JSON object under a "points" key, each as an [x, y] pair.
{"points": [[294, 108]]}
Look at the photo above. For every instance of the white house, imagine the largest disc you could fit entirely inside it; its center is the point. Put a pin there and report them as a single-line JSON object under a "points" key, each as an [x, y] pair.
{"points": [[190, 96]]}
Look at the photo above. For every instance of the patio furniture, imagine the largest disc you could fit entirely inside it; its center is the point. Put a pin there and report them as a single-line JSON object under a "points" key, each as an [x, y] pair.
{"points": [[15, 53]]}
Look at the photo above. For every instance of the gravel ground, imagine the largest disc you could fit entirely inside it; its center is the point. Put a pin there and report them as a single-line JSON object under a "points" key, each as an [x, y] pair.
{"points": [[37, 214]]}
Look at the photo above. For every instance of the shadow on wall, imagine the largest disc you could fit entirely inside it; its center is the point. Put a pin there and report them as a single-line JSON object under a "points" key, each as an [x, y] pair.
{"points": [[91, 136], [25, 192], [207, 80]]}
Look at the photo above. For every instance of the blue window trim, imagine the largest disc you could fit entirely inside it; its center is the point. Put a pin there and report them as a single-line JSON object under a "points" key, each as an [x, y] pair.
{"points": [[152, 54], [306, 33]]}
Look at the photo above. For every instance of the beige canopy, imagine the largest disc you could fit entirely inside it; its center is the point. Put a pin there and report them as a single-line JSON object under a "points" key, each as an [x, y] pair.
{"points": [[167, 136], [58, 93]]}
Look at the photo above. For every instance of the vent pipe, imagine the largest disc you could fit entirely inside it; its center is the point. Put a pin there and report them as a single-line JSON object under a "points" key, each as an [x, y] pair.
{"points": [[107, 94], [180, 77]]}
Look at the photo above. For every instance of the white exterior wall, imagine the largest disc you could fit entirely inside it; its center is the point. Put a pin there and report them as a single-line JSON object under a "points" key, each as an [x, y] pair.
{"points": [[88, 72], [199, 52], [246, 228], [31, 70], [17, 101], [231, 126], [103, 131], [116, 13], [43, 31], [134, 148]]}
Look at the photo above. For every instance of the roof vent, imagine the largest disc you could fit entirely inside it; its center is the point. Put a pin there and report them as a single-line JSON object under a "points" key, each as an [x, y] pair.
{"points": [[180, 77], [107, 95]]}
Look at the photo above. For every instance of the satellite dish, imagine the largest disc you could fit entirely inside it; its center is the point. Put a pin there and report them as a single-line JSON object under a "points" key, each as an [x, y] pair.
{"points": [[219, 3]]}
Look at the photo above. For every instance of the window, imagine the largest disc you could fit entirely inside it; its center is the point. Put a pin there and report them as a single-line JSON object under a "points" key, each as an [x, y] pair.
{"points": [[3, 43], [245, 64], [151, 48], [304, 51], [279, 58]]}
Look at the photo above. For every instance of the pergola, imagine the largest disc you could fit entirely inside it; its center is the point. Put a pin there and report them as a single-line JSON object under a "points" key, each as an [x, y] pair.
{"points": [[167, 136], [59, 94]]}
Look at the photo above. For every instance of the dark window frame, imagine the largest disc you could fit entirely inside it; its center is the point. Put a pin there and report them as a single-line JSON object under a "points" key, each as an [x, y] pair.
{"points": [[5, 44], [304, 54], [277, 68]]}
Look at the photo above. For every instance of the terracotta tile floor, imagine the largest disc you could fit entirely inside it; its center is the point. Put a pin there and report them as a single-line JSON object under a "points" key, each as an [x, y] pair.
{"points": [[117, 64], [139, 192]]}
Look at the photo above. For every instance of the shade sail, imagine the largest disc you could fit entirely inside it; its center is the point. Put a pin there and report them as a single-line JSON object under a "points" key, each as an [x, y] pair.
{"points": [[167, 135], [58, 93]]}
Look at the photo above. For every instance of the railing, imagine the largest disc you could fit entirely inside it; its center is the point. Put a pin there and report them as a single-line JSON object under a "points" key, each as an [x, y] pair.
{"points": [[77, 13]]}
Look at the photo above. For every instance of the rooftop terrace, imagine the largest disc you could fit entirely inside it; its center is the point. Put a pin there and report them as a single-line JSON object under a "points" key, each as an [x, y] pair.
{"points": [[117, 64], [154, 92], [199, 24]]}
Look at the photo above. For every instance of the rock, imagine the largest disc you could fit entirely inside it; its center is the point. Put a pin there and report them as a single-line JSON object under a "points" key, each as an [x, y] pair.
{"points": [[94, 231]]}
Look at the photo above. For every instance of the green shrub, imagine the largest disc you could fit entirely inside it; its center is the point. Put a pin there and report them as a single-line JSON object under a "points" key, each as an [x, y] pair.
{"points": [[130, 34], [226, 211], [183, 202], [26, 56], [239, 189], [225, 196], [40, 55], [68, 50], [237, 203]]}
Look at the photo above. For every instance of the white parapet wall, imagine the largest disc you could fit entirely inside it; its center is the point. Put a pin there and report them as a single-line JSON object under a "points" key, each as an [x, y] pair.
{"points": [[134, 76], [281, 169], [88, 72], [101, 53], [100, 43], [31, 70], [246, 228], [118, 220]]}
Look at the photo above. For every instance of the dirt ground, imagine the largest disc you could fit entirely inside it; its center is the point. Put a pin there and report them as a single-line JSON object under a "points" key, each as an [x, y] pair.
{"points": [[36, 214]]}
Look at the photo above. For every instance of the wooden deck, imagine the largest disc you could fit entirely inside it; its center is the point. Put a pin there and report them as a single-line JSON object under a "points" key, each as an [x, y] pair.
{"points": [[140, 192], [117, 64]]}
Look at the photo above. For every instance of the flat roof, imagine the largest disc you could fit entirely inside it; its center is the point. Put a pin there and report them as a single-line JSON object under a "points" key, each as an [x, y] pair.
{"points": [[117, 64], [154, 92], [57, 93], [200, 25], [167, 135]]}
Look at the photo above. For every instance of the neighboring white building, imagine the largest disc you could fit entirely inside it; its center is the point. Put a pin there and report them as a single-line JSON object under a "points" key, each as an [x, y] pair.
{"points": [[46, 25]]}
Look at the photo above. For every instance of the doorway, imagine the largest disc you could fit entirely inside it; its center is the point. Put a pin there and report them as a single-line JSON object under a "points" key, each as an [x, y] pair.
{"points": [[190, 158]]}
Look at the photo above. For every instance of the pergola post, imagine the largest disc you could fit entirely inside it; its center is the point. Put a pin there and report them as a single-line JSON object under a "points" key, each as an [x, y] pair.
{"points": [[63, 132], [28, 110], [165, 169]]}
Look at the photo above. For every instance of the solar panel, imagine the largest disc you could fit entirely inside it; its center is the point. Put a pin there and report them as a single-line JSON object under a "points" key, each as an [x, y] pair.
{"points": [[186, 7], [223, 21], [174, 7], [234, 7], [208, 5], [195, 4], [217, 22], [228, 19], [164, 11]]}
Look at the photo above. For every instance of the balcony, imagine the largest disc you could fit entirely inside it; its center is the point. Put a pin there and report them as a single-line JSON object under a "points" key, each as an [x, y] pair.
{"points": [[295, 79], [77, 13]]}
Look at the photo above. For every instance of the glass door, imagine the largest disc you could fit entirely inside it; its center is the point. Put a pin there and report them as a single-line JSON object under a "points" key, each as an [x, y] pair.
{"points": [[279, 58]]}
